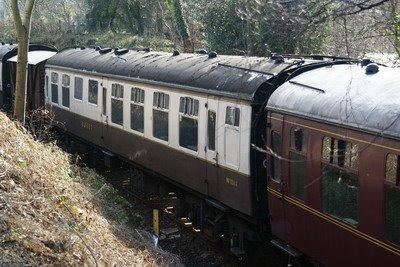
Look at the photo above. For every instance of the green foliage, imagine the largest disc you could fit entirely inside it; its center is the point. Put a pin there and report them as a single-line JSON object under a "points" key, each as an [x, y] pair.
{"points": [[256, 27], [175, 10], [224, 30], [284, 33]]}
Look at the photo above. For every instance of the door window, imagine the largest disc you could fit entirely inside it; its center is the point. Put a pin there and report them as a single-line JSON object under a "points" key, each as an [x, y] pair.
{"points": [[137, 109], [298, 163], [117, 104], [78, 89], [232, 116], [276, 146], [54, 87], [160, 116], [211, 130], [188, 123], [66, 82], [93, 91], [392, 199], [232, 136]]}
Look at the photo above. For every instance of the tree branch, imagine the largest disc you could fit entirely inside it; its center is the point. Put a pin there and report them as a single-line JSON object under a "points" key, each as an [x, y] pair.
{"points": [[17, 17], [28, 13]]}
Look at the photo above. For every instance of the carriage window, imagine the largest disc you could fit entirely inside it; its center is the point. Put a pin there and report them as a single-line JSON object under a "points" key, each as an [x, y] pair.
{"points": [[298, 163], [298, 139], [46, 86], [276, 144], [66, 82], [188, 124], [54, 87], [339, 181], [78, 89], [392, 199], [211, 129], [160, 116], [93, 91], [117, 104], [392, 171], [137, 109], [161, 100], [232, 116], [340, 152]]}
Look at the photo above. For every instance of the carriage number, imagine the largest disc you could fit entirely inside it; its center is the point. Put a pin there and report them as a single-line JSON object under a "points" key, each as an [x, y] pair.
{"points": [[231, 182], [87, 126]]}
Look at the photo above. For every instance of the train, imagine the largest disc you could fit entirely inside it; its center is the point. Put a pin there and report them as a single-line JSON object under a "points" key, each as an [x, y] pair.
{"points": [[300, 152]]}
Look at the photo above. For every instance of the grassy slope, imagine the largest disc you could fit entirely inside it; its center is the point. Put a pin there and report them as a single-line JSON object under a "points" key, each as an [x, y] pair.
{"points": [[53, 212]]}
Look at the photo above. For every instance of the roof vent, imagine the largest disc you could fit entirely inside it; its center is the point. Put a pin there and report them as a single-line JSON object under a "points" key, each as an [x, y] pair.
{"points": [[212, 54], [365, 62], [372, 68], [277, 58], [105, 50], [176, 53], [317, 57], [120, 52], [202, 52]]}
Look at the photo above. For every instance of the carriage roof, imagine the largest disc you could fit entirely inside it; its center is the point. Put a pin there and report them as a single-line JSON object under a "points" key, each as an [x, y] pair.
{"points": [[344, 95], [232, 76]]}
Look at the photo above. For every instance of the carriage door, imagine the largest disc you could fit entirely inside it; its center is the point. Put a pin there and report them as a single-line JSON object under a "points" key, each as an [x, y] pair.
{"points": [[105, 110], [232, 136], [274, 174], [212, 155]]}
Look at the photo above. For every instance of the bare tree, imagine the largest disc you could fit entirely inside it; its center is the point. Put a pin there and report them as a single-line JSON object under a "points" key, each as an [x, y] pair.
{"points": [[22, 24]]}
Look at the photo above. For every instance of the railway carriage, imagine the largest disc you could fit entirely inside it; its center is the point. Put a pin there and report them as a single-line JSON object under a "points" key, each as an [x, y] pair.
{"points": [[6, 51], [191, 118], [333, 185], [186, 117], [37, 56]]}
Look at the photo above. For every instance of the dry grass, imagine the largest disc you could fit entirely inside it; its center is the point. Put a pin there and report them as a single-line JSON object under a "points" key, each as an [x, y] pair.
{"points": [[49, 213]]}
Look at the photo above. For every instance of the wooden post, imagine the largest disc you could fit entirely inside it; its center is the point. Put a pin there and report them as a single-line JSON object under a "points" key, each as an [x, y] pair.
{"points": [[156, 222]]}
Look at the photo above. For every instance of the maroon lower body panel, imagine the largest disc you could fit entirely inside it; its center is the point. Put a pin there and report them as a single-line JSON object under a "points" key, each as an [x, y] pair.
{"points": [[324, 238], [227, 187]]}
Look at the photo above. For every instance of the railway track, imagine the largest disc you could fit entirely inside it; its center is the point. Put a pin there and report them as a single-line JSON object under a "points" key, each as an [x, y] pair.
{"points": [[151, 192], [167, 205]]}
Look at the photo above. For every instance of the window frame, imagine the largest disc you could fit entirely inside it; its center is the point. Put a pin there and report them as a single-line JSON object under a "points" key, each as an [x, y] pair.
{"points": [[388, 182], [117, 86], [389, 185], [165, 107], [88, 90], [302, 153], [333, 164], [83, 82], [65, 86], [56, 83], [237, 116], [209, 112], [189, 112], [139, 103], [353, 171], [273, 158], [47, 86]]}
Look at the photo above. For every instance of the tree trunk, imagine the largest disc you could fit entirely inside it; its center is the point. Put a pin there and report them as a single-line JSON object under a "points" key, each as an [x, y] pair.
{"points": [[23, 28], [396, 26], [21, 79]]}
